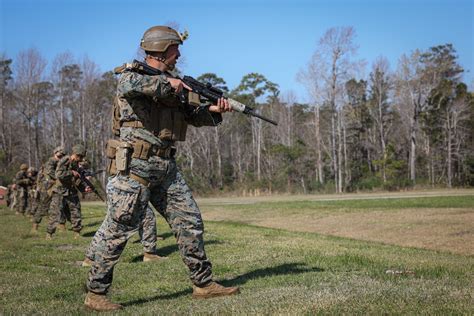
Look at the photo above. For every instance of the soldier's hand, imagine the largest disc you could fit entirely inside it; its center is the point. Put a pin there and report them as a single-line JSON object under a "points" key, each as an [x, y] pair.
{"points": [[178, 85], [75, 174], [88, 189], [221, 106]]}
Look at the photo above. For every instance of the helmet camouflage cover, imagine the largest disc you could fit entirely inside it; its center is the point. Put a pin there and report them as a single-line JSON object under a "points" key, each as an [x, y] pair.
{"points": [[159, 38], [79, 150], [24, 167]]}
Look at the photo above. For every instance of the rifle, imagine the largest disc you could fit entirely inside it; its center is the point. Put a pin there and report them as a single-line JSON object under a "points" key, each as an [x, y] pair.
{"points": [[89, 173], [205, 90], [83, 174]]}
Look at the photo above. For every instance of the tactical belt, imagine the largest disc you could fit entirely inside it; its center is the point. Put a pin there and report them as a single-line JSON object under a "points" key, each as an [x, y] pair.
{"points": [[144, 150], [136, 124]]}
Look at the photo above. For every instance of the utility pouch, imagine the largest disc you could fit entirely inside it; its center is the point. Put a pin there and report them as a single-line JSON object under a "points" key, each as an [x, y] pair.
{"points": [[111, 167], [179, 126], [170, 124], [111, 147], [193, 99], [122, 156]]}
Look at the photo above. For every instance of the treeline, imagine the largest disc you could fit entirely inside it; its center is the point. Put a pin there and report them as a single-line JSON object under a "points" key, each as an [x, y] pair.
{"points": [[390, 129]]}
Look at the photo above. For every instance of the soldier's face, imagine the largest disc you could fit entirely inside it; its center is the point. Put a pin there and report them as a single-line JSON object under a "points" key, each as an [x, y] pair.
{"points": [[76, 158], [172, 55]]}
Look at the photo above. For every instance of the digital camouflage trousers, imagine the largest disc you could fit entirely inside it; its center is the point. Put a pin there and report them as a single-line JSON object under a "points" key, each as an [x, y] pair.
{"points": [[147, 232], [21, 205], [43, 209], [62, 207], [127, 202]]}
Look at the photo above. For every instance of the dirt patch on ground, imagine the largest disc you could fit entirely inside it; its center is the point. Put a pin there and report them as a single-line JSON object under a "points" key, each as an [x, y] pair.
{"points": [[444, 229], [335, 197]]}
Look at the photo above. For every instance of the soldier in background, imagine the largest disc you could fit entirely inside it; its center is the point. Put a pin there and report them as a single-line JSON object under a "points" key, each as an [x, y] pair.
{"points": [[65, 192], [46, 189], [22, 182], [33, 194], [13, 195], [39, 193], [8, 195]]}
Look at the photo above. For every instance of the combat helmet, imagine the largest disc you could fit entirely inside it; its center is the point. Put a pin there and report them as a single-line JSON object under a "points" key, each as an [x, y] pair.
{"points": [[159, 38], [79, 150], [23, 167], [32, 170]]}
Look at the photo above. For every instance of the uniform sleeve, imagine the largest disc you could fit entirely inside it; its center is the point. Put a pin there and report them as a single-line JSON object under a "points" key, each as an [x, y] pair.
{"points": [[63, 173], [17, 178], [132, 84], [50, 169], [21, 179]]}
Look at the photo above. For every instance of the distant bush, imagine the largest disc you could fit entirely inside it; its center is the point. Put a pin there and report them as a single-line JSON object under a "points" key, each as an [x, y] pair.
{"points": [[369, 183]]}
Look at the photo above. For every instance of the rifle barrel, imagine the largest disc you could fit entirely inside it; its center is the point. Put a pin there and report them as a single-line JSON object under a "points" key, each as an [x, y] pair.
{"points": [[263, 118]]}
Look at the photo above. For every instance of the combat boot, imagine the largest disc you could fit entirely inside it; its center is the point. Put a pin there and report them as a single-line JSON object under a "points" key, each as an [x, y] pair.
{"points": [[100, 303], [152, 257], [49, 236], [62, 227], [87, 262], [34, 229], [213, 289]]}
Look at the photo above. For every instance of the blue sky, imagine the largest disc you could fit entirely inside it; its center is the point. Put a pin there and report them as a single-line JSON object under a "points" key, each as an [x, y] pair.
{"points": [[234, 38]]}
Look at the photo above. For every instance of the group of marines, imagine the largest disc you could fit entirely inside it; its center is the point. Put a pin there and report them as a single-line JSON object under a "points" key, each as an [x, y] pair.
{"points": [[52, 190], [151, 113]]}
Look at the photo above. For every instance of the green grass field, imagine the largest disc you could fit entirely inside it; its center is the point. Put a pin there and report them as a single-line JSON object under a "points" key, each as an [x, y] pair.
{"points": [[280, 271]]}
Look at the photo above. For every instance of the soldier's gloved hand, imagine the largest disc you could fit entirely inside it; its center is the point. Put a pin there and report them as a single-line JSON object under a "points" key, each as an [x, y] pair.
{"points": [[221, 106]]}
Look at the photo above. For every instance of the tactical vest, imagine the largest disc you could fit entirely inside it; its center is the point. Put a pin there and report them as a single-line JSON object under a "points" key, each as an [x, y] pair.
{"points": [[164, 117]]}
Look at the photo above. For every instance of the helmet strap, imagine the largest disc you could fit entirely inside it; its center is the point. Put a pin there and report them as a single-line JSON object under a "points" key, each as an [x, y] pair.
{"points": [[162, 60]]}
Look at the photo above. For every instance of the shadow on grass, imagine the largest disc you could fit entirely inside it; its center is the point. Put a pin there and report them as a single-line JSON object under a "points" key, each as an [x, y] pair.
{"points": [[166, 251], [283, 269], [96, 223], [89, 234]]}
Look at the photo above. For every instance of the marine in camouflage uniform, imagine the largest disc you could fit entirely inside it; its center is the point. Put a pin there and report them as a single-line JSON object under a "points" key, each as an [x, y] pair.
{"points": [[150, 119], [13, 195], [65, 192], [45, 187], [22, 182], [9, 195], [33, 193]]}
